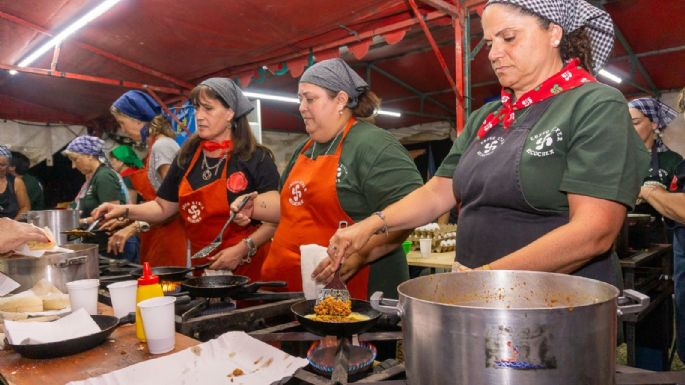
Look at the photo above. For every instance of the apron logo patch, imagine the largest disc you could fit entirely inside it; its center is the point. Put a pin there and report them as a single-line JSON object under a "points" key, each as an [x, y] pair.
{"points": [[297, 190], [542, 142], [489, 145], [236, 182], [342, 173], [193, 211]]}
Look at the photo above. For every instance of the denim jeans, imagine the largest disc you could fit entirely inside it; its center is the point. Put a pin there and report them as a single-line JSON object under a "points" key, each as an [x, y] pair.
{"points": [[679, 288]]}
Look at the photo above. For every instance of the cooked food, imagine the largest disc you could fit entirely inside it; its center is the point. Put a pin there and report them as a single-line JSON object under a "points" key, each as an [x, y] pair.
{"points": [[34, 245], [21, 303], [333, 306], [44, 287], [55, 301], [352, 317]]}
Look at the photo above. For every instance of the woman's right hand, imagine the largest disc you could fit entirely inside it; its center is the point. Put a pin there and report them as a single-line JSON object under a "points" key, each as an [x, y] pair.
{"points": [[349, 240], [244, 216], [109, 210]]}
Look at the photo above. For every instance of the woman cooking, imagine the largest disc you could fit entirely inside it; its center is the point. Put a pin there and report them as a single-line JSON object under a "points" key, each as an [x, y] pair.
{"points": [[539, 186], [650, 118], [219, 163], [346, 170], [14, 200], [126, 162], [139, 116]]}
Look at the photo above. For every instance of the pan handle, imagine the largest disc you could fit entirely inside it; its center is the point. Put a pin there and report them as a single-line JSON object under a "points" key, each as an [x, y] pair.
{"points": [[632, 308], [254, 286], [377, 300], [198, 267], [127, 319]]}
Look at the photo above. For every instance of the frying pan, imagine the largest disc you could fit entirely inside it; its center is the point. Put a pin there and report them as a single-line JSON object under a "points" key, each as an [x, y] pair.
{"points": [[339, 329], [221, 286], [107, 324], [169, 273]]}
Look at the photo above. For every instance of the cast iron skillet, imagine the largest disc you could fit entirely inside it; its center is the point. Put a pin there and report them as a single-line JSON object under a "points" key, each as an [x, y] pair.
{"points": [[222, 286], [107, 324], [340, 329], [169, 273]]}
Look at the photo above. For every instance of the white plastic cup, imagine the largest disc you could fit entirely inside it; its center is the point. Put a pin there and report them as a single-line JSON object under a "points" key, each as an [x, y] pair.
{"points": [[84, 294], [123, 296], [425, 247], [158, 323]]}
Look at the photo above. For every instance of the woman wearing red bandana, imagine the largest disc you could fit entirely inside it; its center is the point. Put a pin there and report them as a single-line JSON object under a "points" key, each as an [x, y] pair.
{"points": [[543, 177], [220, 162]]}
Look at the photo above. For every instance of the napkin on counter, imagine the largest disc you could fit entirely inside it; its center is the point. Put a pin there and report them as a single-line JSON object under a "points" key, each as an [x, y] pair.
{"points": [[76, 324], [233, 358], [7, 285], [310, 257]]}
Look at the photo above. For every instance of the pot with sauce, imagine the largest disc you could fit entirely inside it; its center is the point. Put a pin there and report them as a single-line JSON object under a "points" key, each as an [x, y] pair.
{"points": [[508, 327]]}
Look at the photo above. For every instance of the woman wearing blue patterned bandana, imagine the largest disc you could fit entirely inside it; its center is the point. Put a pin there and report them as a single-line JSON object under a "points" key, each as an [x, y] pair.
{"points": [[537, 186], [14, 200]]}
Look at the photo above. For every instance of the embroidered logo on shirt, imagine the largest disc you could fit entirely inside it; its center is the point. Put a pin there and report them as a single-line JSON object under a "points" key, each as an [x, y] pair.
{"points": [[193, 211], [489, 145], [342, 173], [236, 182], [542, 142], [297, 190]]}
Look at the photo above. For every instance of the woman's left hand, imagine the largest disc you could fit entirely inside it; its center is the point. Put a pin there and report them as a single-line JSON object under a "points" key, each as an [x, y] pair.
{"points": [[228, 258], [117, 241], [114, 224]]}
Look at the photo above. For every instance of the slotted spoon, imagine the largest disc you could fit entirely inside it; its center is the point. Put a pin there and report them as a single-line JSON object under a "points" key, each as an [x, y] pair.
{"points": [[205, 251], [336, 287]]}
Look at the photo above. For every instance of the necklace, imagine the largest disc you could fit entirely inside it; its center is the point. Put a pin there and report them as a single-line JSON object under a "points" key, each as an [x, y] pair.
{"points": [[208, 170], [329, 146]]}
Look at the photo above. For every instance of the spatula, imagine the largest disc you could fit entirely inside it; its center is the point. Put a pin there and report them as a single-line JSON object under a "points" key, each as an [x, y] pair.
{"points": [[205, 251], [336, 287]]}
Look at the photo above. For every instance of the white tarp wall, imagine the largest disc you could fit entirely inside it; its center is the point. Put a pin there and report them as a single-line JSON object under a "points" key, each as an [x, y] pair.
{"points": [[38, 141]]}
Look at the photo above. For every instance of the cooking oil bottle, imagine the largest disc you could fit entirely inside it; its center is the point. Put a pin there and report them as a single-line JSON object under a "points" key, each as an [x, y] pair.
{"points": [[148, 287]]}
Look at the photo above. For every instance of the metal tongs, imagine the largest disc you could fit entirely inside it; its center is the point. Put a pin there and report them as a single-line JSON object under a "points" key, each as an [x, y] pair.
{"points": [[88, 232], [205, 251]]}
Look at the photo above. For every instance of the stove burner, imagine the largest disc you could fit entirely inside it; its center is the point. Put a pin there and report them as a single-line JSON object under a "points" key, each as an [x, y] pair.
{"points": [[323, 356], [217, 307]]}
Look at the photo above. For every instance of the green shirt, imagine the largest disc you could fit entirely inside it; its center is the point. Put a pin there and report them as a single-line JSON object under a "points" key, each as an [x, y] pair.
{"points": [[583, 144], [35, 191], [104, 186], [375, 170]]}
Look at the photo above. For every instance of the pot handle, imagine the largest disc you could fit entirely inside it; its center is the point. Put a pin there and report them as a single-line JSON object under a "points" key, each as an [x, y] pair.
{"points": [[633, 308], [377, 300], [78, 260]]}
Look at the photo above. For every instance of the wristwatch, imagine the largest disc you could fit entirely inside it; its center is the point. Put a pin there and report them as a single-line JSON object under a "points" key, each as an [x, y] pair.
{"points": [[251, 248]]}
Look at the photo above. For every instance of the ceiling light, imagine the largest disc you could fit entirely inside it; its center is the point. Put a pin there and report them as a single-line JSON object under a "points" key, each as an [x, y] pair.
{"points": [[288, 99], [610, 76], [78, 24]]}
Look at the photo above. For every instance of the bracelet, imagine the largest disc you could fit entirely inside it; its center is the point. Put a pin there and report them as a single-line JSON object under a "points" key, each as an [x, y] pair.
{"points": [[383, 229], [126, 213]]}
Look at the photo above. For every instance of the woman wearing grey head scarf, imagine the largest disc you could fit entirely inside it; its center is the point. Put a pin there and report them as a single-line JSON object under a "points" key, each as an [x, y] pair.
{"points": [[548, 170], [220, 162], [345, 171], [14, 200]]}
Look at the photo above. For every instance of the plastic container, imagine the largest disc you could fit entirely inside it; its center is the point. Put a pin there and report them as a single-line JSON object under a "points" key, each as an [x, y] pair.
{"points": [[406, 246], [148, 287]]}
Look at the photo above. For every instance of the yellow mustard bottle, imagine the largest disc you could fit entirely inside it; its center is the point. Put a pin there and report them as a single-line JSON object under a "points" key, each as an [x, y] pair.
{"points": [[148, 287]]}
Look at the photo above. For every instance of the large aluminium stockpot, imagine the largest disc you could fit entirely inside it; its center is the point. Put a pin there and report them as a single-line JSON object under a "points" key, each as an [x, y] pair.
{"points": [[507, 327], [57, 220], [58, 268]]}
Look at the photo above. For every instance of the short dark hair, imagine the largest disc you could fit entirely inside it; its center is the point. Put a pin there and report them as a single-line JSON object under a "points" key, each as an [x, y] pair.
{"points": [[20, 162]]}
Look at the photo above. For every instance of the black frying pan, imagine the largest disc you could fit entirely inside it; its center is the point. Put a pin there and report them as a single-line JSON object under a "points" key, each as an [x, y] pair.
{"points": [[169, 273], [107, 324], [340, 329], [222, 286]]}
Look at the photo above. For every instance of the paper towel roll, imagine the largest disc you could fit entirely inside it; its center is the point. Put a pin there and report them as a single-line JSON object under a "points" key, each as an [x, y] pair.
{"points": [[310, 257]]}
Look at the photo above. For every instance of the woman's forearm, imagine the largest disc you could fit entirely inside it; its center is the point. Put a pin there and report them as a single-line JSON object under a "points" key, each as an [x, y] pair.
{"points": [[263, 234], [379, 245], [156, 211], [267, 207], [669, 204]]}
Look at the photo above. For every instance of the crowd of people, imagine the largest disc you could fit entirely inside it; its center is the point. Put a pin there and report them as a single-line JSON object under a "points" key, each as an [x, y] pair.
{"points": [[536, 184]]}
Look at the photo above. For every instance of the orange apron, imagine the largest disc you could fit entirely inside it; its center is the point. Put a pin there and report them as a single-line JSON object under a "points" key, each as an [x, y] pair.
{"points": [[310, 213], [163, 245], [204, 212]]}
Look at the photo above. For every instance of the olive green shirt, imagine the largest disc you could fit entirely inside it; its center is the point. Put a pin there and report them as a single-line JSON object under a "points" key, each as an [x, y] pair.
{"points": [[583, 144], [375, 170], [104, 186]]}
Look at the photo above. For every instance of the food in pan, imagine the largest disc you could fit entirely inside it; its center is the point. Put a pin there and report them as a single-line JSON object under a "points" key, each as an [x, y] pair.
{"points": [[333, 306], [331, 309], [21, 303]]}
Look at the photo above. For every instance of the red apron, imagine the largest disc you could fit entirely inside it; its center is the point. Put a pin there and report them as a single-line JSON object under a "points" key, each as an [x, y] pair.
{"points": [[204, 212], [163, 245], [310, 213]]}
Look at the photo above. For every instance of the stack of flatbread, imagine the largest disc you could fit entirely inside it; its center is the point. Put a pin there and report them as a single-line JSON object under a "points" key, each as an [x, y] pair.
{"points": [[43, 296]]}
